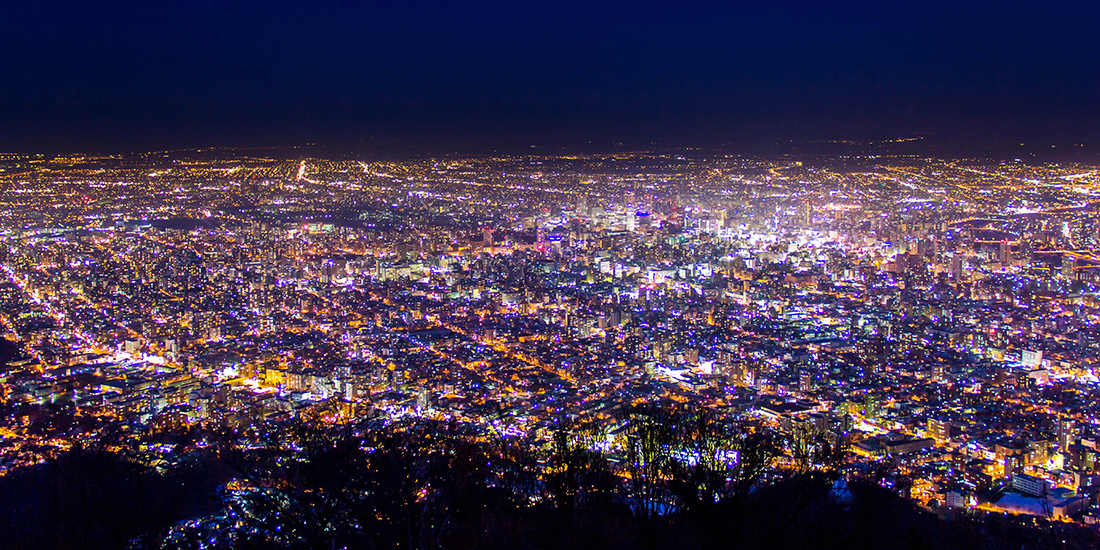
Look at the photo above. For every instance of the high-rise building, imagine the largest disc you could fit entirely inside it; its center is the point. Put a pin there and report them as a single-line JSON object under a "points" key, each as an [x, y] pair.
{"points": [[1004, 252], [1068, 266], [1067, 433], [955, 268]]}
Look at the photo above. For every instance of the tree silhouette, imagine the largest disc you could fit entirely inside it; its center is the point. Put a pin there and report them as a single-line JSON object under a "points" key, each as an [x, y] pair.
{"points": [[683, 478]]}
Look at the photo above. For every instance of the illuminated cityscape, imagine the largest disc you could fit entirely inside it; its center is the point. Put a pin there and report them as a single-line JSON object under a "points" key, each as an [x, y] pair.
{"points": [[607, 275], [932, 319]]}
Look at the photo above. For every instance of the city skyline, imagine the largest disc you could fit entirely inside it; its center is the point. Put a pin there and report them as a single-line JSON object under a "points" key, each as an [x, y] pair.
{"points": [[921, 328], [549, 275]]}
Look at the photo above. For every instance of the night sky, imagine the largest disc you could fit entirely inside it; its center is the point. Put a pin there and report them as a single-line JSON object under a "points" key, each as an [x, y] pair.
{"points": [[135, 76]]}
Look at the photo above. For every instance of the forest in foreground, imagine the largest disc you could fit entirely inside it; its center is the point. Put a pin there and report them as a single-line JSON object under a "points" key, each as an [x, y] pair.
{"points": [[679, 479]]}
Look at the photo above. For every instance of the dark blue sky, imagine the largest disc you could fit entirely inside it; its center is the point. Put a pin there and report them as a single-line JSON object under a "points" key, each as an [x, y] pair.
{"points": [[469, 75]]}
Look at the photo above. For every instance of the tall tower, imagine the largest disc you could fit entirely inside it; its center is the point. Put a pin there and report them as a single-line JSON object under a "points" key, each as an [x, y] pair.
{"points": [[806, 213]]}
